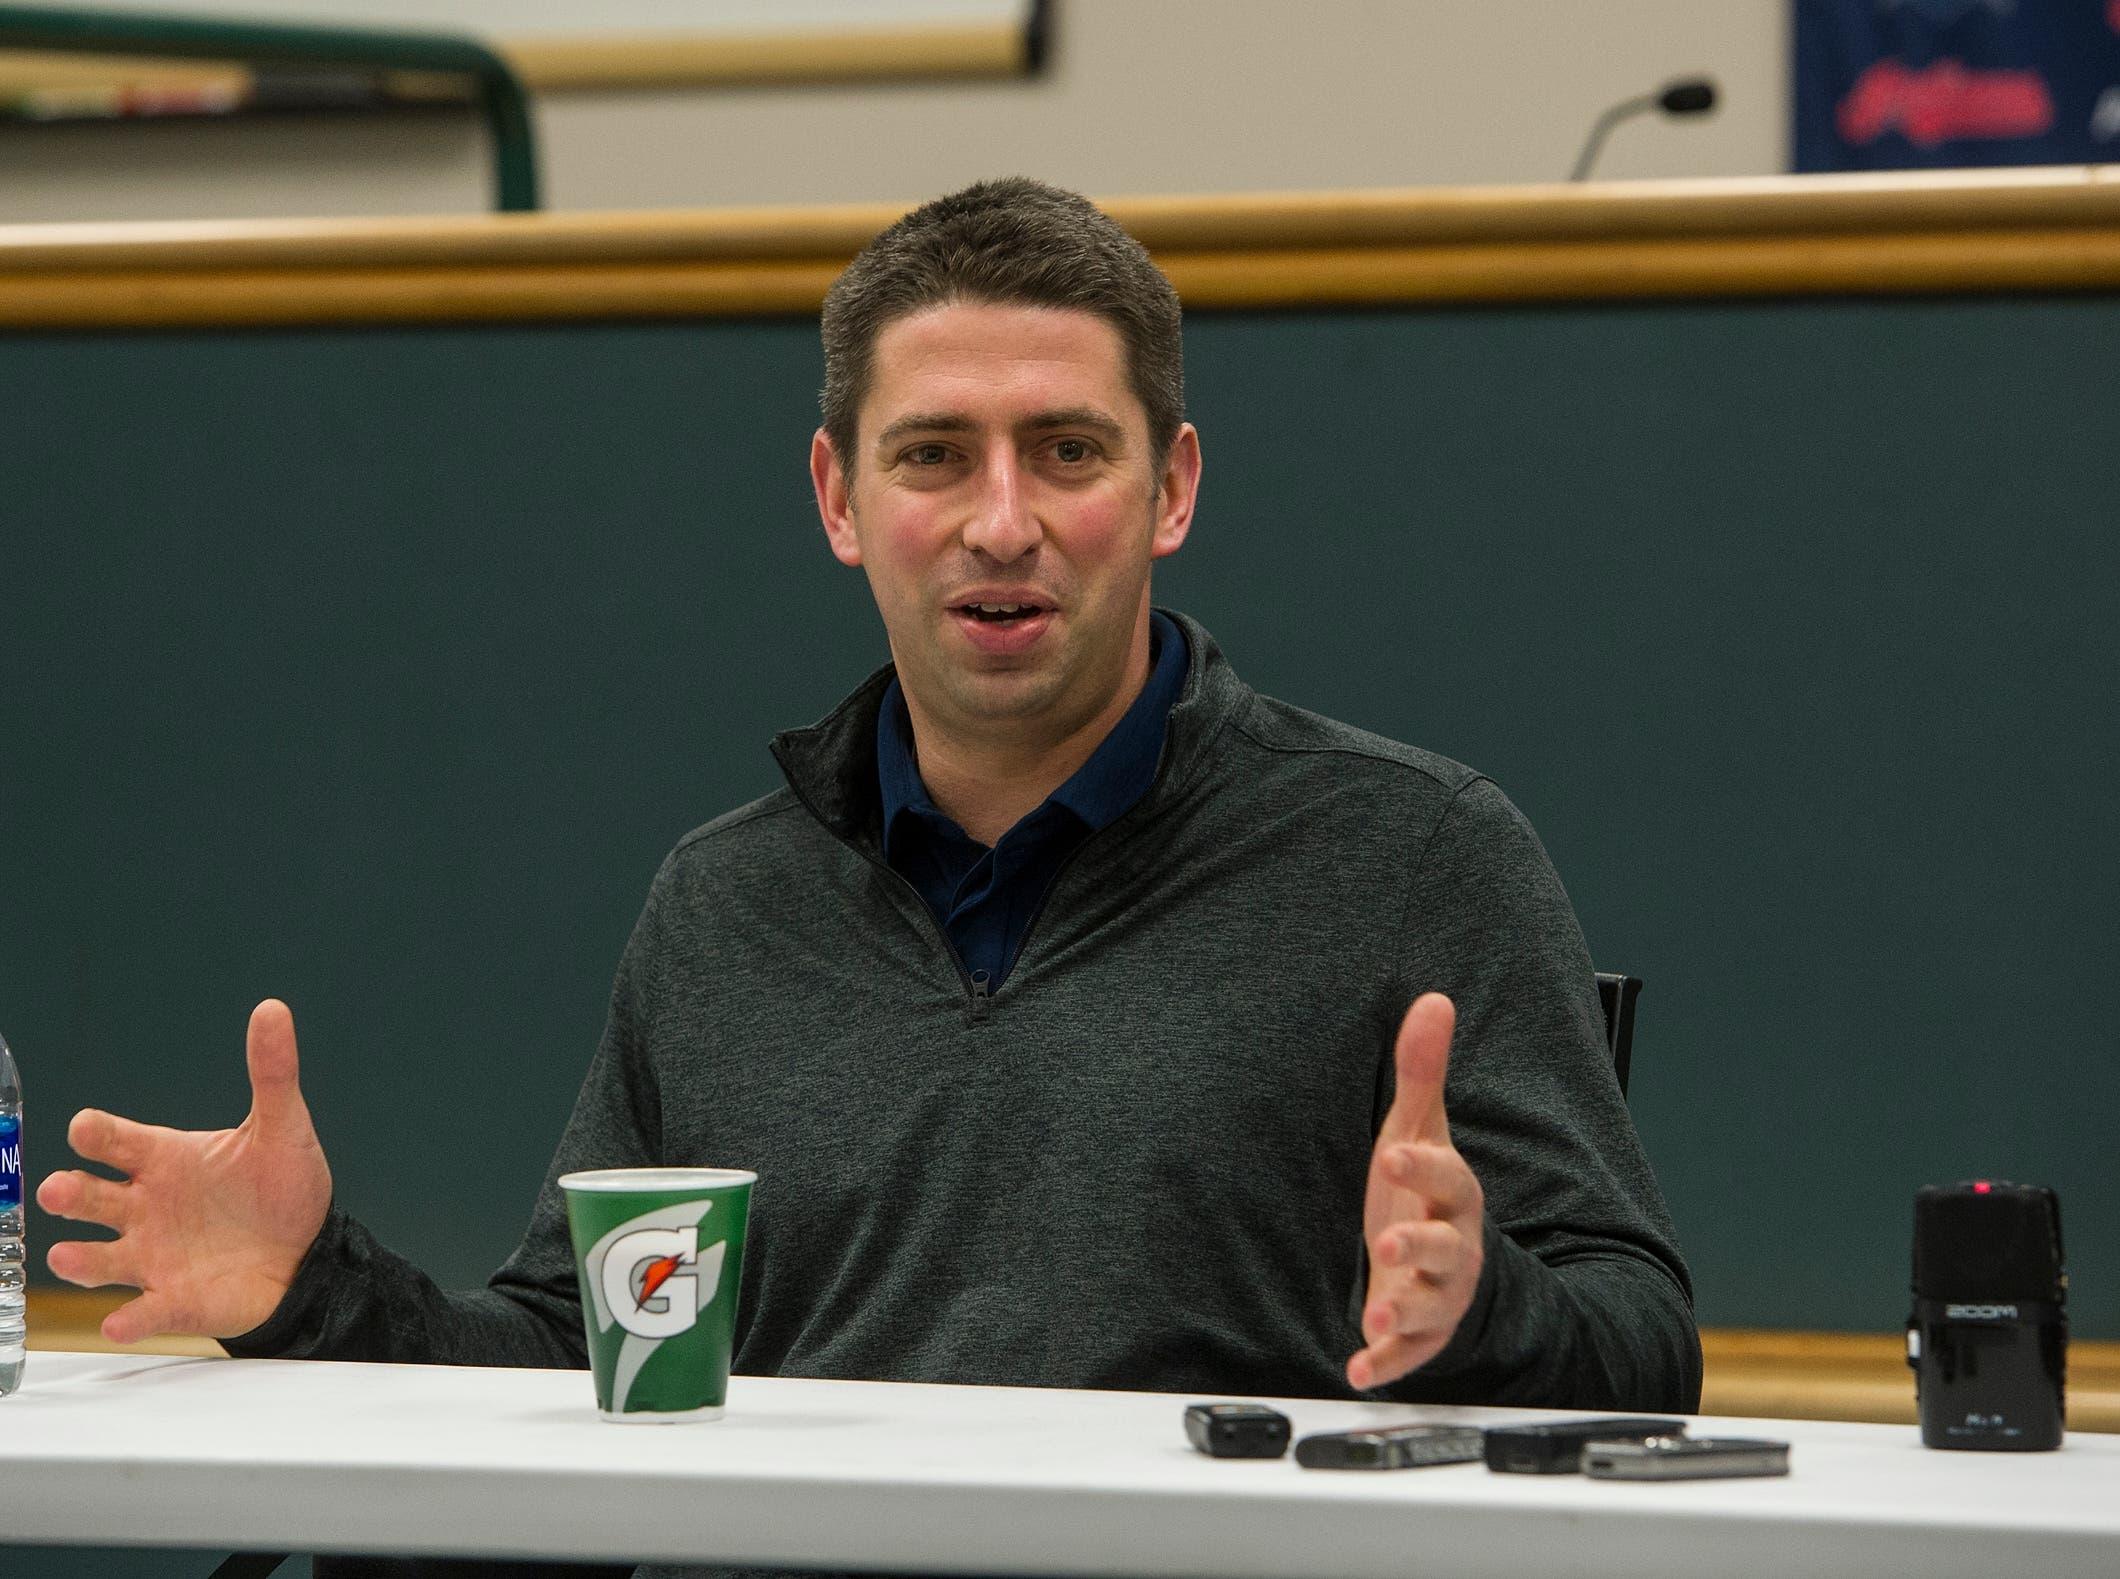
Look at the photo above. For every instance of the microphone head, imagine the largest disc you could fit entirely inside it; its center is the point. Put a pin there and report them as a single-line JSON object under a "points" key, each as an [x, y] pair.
{"points": [[1687, 96], [1986, 1240]]}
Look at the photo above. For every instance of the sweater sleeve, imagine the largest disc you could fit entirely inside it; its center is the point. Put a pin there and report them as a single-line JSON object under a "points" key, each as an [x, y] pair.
{"points": [[354, 1299], [1584, 1301]]}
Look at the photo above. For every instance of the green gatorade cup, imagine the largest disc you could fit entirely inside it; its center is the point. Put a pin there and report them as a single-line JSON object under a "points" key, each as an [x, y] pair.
{"points": [[659, 1255]]}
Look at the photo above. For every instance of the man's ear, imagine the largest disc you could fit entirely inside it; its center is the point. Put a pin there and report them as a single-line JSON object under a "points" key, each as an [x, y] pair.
{"points": [[1178, 489], [835, 506]]}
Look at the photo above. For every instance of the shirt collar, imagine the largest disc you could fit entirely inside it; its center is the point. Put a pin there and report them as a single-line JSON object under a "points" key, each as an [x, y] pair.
{"points": [[898, 778], [1118, 773]]}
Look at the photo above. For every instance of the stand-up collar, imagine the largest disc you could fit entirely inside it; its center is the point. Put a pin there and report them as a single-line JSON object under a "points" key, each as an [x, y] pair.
{"points": [[831, 765], [1116, 775]]}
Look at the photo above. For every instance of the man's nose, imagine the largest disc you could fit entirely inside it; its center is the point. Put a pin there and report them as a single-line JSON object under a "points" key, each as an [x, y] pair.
{"points": [[1004, 522]]}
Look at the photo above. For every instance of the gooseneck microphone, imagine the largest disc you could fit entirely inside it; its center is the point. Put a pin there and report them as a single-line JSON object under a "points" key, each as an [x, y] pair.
{"points": [[1988, 1337], [1686, 96]]}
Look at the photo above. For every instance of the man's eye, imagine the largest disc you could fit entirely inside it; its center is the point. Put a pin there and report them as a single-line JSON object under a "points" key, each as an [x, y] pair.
{"points": [[927, 454], [1072, 451]]}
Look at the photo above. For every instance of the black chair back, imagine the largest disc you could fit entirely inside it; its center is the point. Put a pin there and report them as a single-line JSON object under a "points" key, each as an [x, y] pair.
{"points": [[1616, 995]]}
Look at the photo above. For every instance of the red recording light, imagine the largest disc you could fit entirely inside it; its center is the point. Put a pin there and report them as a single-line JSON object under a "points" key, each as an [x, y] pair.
{"points": [[1981, 1187]]}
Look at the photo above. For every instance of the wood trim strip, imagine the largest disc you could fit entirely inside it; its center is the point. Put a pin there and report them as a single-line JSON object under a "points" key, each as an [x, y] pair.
{"points": [[826, 234], [1641, 270], [605, 62], [69, 1318], [570, 63], [1750, 1372], [2060, 198], [1902, 201], [2026, 230], [1863, 1376], [722, 60], [253, 297]]}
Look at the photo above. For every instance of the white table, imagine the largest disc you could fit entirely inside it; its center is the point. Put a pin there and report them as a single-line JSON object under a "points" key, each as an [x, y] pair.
{"points": [[275, 1455]]}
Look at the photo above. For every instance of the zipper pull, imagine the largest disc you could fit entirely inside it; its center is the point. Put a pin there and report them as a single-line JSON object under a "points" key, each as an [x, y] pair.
{"points": [[977, 1014]]}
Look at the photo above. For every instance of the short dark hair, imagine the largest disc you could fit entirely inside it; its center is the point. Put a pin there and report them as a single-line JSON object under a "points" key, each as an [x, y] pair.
{"points": [[1012, 242]]}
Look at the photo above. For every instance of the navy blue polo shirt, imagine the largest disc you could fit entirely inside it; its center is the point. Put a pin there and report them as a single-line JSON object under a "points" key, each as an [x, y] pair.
{"points": [[985, 898]]}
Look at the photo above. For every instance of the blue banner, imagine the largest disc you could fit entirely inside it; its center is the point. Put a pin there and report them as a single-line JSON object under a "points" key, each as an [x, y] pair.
{"points": [[1916, 84]]}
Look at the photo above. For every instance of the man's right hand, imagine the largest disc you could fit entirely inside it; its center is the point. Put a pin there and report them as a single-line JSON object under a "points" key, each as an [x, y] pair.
{"points": [[211, 1223]]}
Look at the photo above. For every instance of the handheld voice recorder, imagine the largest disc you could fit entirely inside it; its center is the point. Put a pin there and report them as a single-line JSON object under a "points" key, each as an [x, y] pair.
{"points": [[1988, 1335]]}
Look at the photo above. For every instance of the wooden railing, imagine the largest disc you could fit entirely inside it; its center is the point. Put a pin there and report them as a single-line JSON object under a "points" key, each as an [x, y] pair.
{"points": [[2008, 230]]}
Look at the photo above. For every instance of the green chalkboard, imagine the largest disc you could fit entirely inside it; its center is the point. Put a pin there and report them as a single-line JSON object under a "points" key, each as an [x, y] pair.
{"points": [[377, 669]]}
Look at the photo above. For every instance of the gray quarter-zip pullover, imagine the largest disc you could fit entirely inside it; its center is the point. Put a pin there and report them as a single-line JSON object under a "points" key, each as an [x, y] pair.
{"points": [[1140, 1162]]}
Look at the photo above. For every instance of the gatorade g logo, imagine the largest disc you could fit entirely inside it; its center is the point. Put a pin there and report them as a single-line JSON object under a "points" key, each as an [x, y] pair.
{"points": [[649, 1277], [642, 1285]]}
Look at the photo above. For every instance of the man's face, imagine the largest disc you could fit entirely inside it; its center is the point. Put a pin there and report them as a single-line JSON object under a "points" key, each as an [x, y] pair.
{"points": [[1003, 459]]}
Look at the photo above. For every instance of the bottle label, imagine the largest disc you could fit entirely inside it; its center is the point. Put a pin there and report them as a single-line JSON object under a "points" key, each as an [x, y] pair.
{"points": [[10, 1163]]}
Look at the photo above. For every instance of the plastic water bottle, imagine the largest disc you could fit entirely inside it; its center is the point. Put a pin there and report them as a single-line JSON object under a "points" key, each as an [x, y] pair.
{"points": [[13, 1272]]}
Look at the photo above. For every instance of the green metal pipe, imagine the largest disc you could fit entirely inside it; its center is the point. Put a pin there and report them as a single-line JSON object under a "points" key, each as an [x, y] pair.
{"points": [[502, 99]]}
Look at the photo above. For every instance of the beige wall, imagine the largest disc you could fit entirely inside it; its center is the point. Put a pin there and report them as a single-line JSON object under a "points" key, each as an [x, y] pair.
{"points": [[1141, 96]]}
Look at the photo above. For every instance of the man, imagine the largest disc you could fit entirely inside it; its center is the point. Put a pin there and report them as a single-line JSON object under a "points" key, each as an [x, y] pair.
{"points": [[1085, 1015]]}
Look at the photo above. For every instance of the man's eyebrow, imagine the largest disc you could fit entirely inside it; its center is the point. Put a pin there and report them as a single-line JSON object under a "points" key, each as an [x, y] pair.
{"points": [[924, 422], [1108, 428]]}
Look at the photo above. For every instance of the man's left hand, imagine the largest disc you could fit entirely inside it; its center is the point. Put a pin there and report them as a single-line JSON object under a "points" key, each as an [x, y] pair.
{"points": [[1423, 1215]]}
